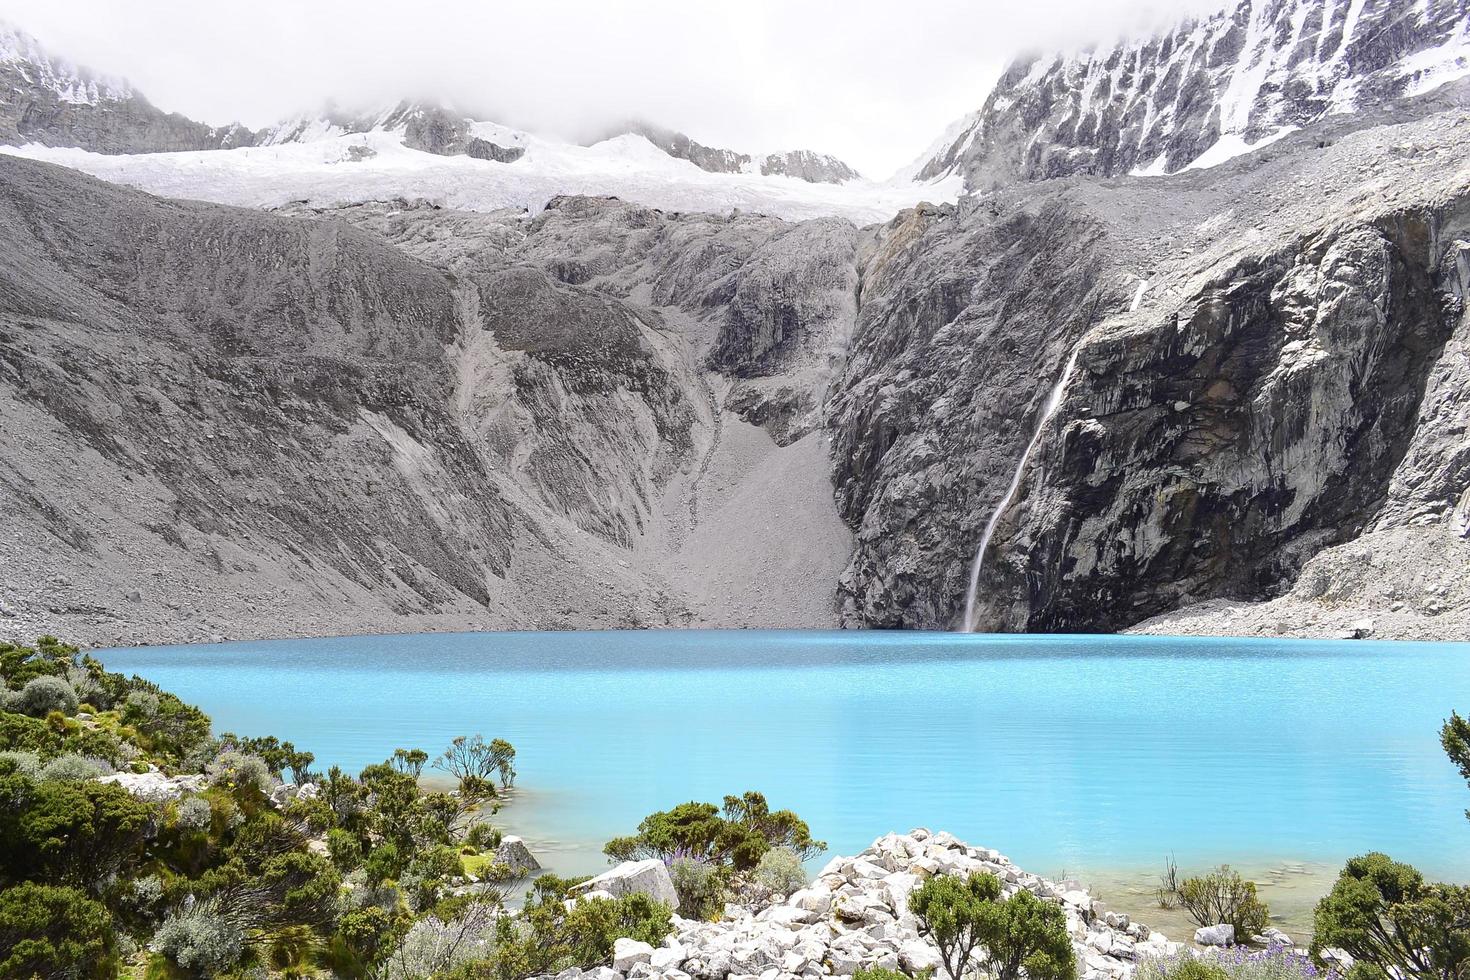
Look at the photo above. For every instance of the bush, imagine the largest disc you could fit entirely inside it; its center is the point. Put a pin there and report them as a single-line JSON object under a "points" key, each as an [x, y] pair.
{"points": [[195, 815], [1384, 913], [43, 695], [878, 973], [1223, 896], [27, 764], [1276, 963], [433, 946], [737, 839], [482, 836], [54, 932], [972, 927], [700, 887], [345, 849], [72, 769], [779, 872], [239, 769], [200, 939]]}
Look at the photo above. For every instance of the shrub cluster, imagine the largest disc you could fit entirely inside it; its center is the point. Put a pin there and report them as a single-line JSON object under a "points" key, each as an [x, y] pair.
{"points": [[718, 852], [226, 881], [976, 929]]}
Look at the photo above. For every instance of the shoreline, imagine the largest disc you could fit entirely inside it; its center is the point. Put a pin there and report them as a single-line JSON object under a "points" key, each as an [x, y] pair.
{"points": [[1290, 887]]}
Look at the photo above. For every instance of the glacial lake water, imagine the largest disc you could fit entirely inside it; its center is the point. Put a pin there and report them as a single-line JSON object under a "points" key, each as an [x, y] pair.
{"points": [[1085, 756]]}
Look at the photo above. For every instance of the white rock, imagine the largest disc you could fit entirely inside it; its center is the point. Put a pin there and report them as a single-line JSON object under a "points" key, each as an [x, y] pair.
{"points": [[648, 877], [815, 900], [792, 917], [1222, 934], [628, 953], [154, 786], [915, 955], [670, 955], [514, 854]]}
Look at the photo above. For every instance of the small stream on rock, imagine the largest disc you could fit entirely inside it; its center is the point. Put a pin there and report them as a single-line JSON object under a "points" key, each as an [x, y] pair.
{"points": [[1048, 409]]}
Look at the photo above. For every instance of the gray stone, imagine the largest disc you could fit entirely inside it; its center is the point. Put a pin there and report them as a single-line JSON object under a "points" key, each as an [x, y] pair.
{"points": [[628, 953], [1216, 935], [514, 854], [649, 877]]}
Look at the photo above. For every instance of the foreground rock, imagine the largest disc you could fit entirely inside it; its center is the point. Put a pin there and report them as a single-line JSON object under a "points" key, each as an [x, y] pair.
{"points": [[649, 877], [855, 916], [515, 855]]}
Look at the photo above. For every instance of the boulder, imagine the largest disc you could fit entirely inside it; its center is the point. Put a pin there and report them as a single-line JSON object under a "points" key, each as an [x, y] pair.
{"points": [[648, 877], [514, 854], [667, 957], [154, 786], [628, 953], [1222, 934]]}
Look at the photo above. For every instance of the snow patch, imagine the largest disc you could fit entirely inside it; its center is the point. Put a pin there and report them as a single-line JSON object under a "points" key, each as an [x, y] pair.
{"points": [[629, 167], [1232, 145]]}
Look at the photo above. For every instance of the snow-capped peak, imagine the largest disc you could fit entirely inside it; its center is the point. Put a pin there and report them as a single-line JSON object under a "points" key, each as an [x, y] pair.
{"points": [[22, 53], [1205, 91]]}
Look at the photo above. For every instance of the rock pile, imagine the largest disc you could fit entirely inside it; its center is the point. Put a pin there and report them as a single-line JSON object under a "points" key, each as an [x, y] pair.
{"points": [[855, 915]]}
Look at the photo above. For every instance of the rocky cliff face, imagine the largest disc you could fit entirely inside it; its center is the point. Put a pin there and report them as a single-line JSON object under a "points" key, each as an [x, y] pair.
{"points": [[1206, 90], [45, 99], [1263, 373]]}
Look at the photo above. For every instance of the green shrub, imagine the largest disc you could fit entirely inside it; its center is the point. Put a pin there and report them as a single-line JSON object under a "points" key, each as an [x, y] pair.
{"points": [[1184, 967], [195, 815], [972, 927], [383, 863], [43, 695], [779, 872], [345, 849], [1223, 896], [1384, 913], [700, 886], [201, 939], [27, 764], [241, 770], [482, 836], [71, 768], [737, 839], [47, 931], [878, 973]]}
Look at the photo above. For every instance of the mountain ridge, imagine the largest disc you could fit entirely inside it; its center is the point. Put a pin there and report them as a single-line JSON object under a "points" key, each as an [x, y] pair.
{"points": [[1230, 83]]}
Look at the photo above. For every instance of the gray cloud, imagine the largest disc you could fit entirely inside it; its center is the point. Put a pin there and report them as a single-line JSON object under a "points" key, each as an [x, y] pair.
{"points": [[873, 83]]}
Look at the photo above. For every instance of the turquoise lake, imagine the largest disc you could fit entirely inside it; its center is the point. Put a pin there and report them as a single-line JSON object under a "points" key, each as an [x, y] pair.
{"points": [[1072, 754]]}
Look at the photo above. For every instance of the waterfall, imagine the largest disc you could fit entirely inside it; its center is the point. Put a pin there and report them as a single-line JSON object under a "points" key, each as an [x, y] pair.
{"points": [[1053, 402]]}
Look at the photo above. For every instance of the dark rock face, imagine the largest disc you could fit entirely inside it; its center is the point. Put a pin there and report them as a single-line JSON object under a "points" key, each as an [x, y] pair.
{"points": [[1266, 373], [486, 150], [816, 168], [1265, 419], [46, 100], [1244, 74], [963, 315]]}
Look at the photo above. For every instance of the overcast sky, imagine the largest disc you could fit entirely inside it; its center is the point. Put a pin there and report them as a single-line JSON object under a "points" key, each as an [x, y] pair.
{"points": [[873, 83]]}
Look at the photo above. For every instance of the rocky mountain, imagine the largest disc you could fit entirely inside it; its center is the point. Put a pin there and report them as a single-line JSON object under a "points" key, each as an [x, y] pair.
{"points": [[424, 126], [1228, 399], [45, 99], [816, 168], [1204, 92]]}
